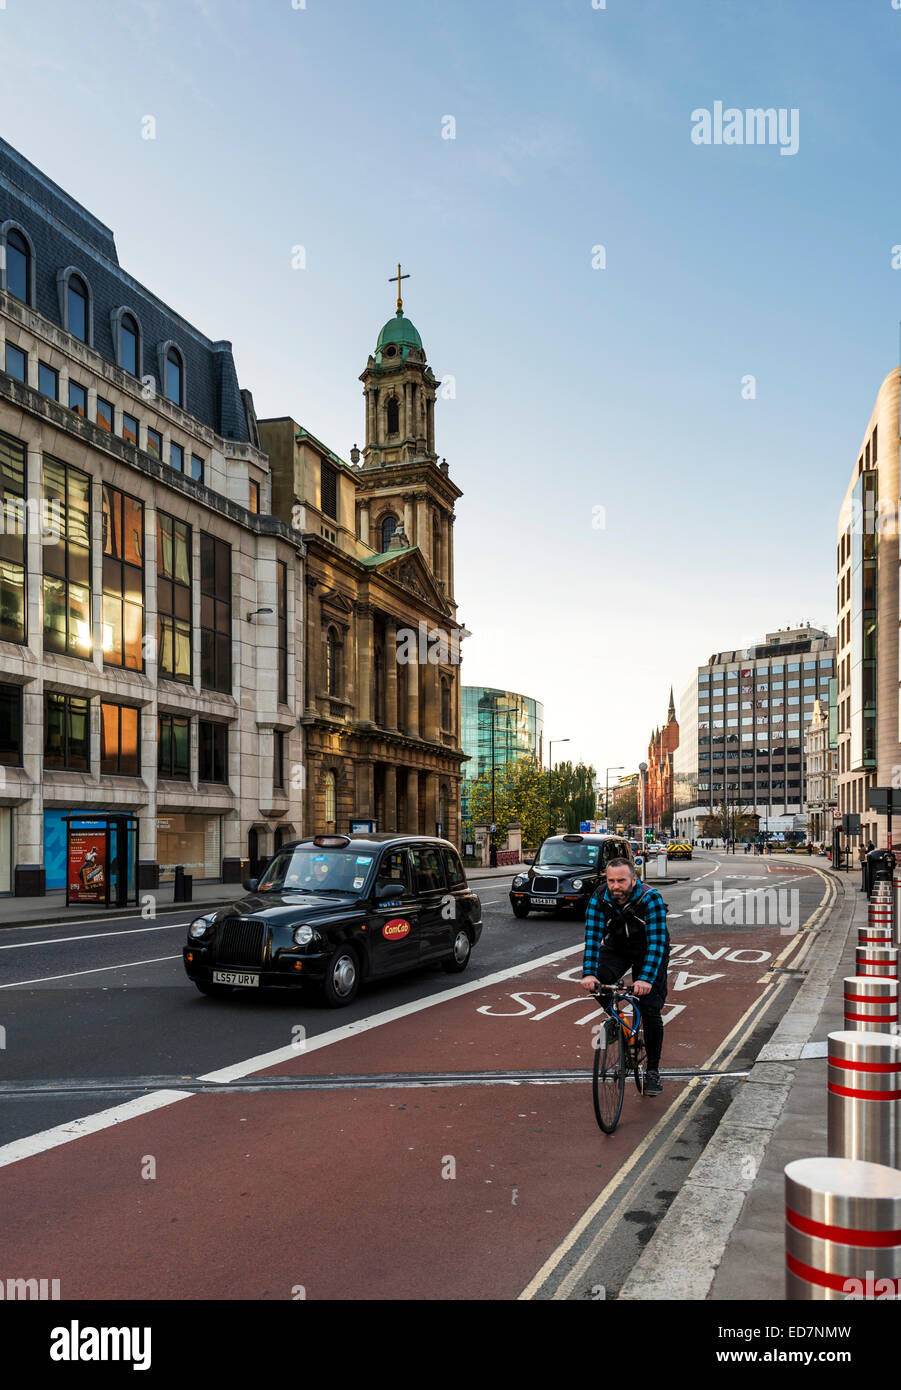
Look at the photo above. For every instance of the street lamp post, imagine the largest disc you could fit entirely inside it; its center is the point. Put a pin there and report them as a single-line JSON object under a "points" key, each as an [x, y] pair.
{"points": [[550, 774], [642, 768]]}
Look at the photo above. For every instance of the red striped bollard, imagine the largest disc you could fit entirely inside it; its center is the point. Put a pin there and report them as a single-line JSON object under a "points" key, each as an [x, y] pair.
{"points": [[874, 934], [842, 1230], [881, 961], [863, 1109], [870, 1004]]}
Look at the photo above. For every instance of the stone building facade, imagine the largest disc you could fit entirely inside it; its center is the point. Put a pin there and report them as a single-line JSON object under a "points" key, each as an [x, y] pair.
{"points": [[381, 715], [661, 747], [822, 778], [149, 601]]}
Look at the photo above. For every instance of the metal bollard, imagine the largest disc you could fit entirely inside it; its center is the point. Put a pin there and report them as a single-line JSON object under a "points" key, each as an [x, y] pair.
{"points": [[880, 961], [864, 1082], [897, 899], [870, 1005], [842, 1230], [876, 935]]}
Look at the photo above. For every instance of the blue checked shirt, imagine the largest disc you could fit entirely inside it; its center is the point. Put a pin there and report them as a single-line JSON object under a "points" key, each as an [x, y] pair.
{"points": [[656, 933]]}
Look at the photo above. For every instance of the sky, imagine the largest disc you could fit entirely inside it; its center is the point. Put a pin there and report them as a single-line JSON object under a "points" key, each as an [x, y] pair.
{"points": [[658, 356]]}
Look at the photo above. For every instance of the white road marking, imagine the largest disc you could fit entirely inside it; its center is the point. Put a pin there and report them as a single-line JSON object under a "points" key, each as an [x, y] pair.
{"points": [[98, 970], [90, 936], [90, 1124]]}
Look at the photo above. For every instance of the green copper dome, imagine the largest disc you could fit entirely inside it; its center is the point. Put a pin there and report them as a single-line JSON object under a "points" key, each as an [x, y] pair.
{"points": [[399, 330]]}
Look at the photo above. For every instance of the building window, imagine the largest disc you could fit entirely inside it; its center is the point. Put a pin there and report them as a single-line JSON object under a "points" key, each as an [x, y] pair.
{"points": [[174, 597], [213, 752], [123, 580], [78, 399], [67, 732], [174, 376], [77, 308], [18, 266], [253, 499], [389, 526], [215, 614], [278, 769], [393, 416], [174, 747], [332, 659], [330, 800], [120, 740], [177, 458], [48, 381], [328, 489], [17, 363], [128, 344], [446, 711], [155, 443], [105, 415], [197, 467], [281, 570], [67, 562], [13, 540], [129, 429], [11, 725]]}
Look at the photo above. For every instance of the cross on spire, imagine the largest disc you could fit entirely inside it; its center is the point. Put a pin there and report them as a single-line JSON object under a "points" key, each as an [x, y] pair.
{"points": [[398, 277]]}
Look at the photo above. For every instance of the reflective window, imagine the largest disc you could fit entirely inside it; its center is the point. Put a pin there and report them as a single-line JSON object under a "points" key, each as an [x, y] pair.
{"points": [[77, 308], [174, 376], [174, 597], [13, 537], [67, 560], [123, 580], [174, 747], [215, 615], [48, 381], [18, 266], [17, 363], [119, 739], [67, 732], [128, 344], [78, 399]]}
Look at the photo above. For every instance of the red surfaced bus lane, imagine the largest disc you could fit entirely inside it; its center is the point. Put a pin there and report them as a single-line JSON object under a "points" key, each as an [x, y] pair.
{"points": [[377, 1192]]}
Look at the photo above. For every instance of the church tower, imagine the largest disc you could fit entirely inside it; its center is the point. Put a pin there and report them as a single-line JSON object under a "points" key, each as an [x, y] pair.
{"points": [[405, 497]]}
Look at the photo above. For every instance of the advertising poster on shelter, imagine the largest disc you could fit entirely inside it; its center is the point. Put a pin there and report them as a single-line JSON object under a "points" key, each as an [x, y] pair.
{"points": [[87, 866]]}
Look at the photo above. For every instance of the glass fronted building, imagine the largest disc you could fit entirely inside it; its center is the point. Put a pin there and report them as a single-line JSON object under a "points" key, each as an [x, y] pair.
{"points": [[499, 727]]}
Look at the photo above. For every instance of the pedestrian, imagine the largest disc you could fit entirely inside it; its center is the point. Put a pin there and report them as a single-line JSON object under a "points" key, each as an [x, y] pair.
{"points": [[809, 847]]}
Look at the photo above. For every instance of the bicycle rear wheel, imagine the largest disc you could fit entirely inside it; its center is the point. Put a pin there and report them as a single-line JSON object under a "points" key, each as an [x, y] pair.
{"points": [[609, 1081]]}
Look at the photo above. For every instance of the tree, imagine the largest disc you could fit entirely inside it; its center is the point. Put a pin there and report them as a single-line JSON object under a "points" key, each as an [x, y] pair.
{"points": [[625, 809], [520, 795], [729, 822], [573, 798]]}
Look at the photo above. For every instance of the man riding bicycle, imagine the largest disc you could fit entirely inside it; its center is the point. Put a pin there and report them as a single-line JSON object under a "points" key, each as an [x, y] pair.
{"points": [[625, 929]]}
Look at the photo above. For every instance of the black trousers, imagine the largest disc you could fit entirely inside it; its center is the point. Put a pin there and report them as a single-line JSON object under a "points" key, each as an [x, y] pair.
{"points": [[612, 965]]}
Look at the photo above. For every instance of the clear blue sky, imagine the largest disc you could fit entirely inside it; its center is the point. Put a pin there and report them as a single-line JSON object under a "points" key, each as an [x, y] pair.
{"points": [[576, 389]]}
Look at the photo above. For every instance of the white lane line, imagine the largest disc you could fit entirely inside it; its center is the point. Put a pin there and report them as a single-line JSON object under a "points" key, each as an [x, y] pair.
{"points": [[98, 970], [92, 1124], [91, 936]]}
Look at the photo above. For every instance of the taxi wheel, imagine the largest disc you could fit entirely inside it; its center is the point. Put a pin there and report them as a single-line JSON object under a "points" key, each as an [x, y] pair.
{"points": [[462, 951], [342, 978], [214, 991], [520, 910]]}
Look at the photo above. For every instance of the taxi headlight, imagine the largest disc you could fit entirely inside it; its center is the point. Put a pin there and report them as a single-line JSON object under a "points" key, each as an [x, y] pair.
{"points": [[577, 884], [201, 925], [304, 935], [520, 879]]}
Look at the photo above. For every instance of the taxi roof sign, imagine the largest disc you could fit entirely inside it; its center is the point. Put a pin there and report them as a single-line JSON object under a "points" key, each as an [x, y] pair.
{"points": [[331, 841]]}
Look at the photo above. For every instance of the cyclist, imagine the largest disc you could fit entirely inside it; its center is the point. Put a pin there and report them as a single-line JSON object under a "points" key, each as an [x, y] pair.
{"points": [[625, 928]]}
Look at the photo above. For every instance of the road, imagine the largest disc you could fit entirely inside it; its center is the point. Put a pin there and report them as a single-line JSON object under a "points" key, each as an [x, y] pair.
{"points": [[433, 1140]]}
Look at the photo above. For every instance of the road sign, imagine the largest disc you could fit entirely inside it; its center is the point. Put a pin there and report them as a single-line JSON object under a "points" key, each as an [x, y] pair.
{"points": [[884, 800], [851, 823]]}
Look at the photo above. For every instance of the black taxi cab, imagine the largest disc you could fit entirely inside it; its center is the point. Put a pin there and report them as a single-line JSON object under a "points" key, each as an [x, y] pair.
{"points": [[565, 872], [333, 911]]}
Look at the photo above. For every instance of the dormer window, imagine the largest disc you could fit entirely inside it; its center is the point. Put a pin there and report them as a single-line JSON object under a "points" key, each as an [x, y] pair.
{"points": [[328, 491], [128, 345], [18, 266], [77, 308], [174, 376], [393, 414]]}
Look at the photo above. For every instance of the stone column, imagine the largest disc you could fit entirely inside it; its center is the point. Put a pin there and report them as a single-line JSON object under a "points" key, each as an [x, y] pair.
{"points": [[430, 808], [364, 661], [390, 798], [406, 424], [430, 424], [412, 682], [431, 715], [391, 669], [364, 524], [449, 558], [313, 646], [412, 826], [365, 791], [423, 538], [408, 519], [370, 417]]}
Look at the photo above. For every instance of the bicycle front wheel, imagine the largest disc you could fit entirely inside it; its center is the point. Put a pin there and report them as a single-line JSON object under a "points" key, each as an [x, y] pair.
{"points": [[609, 1078]]}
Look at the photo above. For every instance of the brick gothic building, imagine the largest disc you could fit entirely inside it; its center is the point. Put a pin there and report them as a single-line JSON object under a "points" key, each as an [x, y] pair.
{"points": [[381, 712], [663, 744]]}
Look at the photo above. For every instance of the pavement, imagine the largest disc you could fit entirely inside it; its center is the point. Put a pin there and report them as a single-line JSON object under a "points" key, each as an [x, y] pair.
{"points": [[723, 1236], [35, 912]]}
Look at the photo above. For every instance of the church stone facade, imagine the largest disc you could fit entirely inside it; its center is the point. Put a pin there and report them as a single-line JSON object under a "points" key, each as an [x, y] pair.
{"points": [[381, 705]]}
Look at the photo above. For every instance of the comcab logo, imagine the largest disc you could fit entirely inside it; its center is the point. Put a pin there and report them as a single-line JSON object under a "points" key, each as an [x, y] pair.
{"points": [[396, 929]]}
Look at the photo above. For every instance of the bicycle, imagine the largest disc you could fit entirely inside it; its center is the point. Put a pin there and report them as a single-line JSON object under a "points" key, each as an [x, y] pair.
{"points": [[619, 1046]]}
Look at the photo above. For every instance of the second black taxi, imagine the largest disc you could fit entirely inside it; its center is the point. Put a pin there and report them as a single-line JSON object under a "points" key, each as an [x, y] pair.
{"points": [[333, 911], [565, 872]]}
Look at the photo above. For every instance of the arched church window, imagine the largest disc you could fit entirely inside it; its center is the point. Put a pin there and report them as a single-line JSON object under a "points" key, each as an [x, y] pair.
{"points": [[389, 526], [393, 413]]}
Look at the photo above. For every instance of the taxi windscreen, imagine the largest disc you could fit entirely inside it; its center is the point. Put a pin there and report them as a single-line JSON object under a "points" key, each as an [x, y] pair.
{"points": [[311, 870], [568, 856]]}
